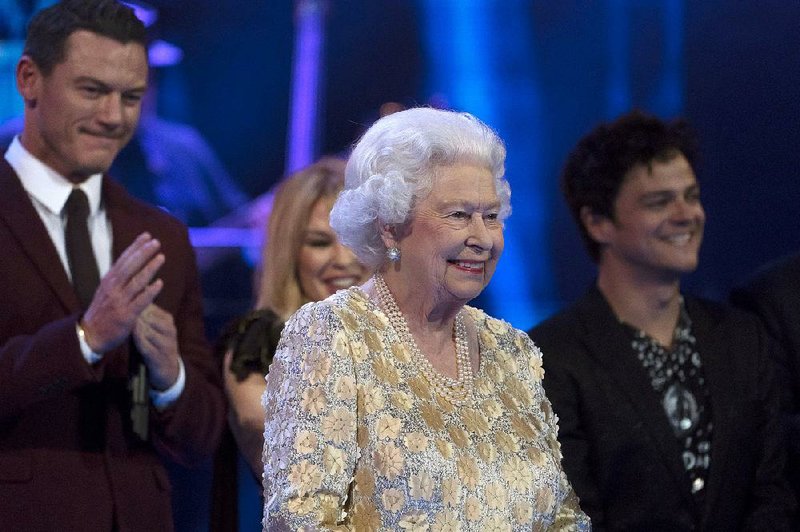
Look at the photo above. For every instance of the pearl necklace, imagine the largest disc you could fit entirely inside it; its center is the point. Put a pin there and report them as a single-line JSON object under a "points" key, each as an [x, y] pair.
{"points": [[455, 391]]}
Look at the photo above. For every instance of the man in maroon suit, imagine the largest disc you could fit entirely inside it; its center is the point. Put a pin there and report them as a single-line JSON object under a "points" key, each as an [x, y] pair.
{"points": [[103, 362]]}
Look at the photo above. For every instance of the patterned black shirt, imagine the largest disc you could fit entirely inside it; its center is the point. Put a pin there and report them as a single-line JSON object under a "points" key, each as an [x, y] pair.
{"points": [[676, 374]]}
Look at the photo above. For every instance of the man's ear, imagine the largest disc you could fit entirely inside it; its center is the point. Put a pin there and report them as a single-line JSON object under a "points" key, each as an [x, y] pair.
{"points": [[599, 226], [29, 77]]}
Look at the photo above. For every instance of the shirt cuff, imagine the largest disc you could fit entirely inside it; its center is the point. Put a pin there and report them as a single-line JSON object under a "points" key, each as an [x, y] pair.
{"points": [[162, 400], [91, 357]]}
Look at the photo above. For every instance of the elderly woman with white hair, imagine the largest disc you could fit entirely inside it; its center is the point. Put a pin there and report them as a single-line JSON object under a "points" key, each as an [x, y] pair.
{"points": [[394, 405]]}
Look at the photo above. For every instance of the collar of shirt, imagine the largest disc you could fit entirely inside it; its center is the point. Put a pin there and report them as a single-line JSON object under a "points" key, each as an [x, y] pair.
{"points": [[49, 187]]}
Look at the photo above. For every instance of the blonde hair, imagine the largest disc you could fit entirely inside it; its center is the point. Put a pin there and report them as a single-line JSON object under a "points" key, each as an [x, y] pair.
{"points": [[278, 286]]}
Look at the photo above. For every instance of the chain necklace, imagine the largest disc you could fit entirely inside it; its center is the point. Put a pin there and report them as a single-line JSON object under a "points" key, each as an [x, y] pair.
{"points": [[456, 391]]}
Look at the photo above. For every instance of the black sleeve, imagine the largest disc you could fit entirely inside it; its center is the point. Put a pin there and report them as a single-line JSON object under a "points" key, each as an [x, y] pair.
{"points": [[253, 339]]}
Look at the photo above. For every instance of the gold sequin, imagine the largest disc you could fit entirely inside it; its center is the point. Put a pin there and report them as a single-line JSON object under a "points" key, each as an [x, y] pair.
{"points": [[366, 517], [432, 416], [370, 399], [345, 388], [415, 521], [544, 500], [535, 367], [445, 449], [487, 452], [316, 366], [446, 521], [451, 491], [496, 496], [313, 400], [420, 485], [416, 442], [373, 341], [385, 370], [305, 477], [300, 505], [389, 460], [507, 442], [365, 483], [305, 442], [458, 436], [393, 500], [496, 373], [388, 427], [468, 471], [523, 512], [401, 352], [475, 421], [473, 508], [488, 339], [338, 425], [402, 400], [333, 459], [420, 387]]}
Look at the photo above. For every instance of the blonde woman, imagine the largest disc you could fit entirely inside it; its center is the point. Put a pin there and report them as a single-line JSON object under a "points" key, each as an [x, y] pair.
{"points": [[302, 261]]}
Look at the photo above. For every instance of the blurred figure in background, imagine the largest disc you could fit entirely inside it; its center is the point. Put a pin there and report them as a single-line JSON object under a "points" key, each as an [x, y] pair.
{"points": [[774, 295], [302, 261], [667, 403]]}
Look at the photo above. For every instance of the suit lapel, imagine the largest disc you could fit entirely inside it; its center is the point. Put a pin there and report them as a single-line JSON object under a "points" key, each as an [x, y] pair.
{"points": [[712, 346], [124, 228], [125, 225], [19, 214], [610, 344]]}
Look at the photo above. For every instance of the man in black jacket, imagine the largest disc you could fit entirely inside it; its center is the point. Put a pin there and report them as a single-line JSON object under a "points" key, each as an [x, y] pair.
{"points": [[666, 403], [774, 295]]}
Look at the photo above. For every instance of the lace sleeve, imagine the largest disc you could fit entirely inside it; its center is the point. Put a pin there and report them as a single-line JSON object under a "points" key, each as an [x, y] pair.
{"points": [[569, 516], [310, 446]]}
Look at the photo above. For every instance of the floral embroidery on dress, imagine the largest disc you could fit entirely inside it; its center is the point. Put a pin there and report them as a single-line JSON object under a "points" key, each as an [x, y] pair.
{"points": [[356, 438]]}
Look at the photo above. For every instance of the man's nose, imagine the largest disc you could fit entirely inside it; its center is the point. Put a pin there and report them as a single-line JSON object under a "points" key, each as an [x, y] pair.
{"points": [[110, 111], [686, 210]]}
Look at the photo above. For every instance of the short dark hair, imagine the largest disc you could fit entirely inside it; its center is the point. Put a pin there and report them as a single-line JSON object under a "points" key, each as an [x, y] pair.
{"points": [[597, 166], [50, 28]]}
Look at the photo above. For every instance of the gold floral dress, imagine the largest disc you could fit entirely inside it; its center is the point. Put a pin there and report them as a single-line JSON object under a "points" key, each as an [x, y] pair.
{"points": [[355, 439]]}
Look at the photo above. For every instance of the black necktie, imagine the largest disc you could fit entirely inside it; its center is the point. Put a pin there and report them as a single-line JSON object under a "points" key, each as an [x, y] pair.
{"points": [[80, 255]]}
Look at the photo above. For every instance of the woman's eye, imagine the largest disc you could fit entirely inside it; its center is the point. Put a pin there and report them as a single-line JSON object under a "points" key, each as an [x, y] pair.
{"points": [[318, 243], [458, 215]]}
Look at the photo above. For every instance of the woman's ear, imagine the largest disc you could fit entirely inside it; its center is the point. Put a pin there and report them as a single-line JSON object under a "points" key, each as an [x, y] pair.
{"points": [[599, 226], [388, 235]]}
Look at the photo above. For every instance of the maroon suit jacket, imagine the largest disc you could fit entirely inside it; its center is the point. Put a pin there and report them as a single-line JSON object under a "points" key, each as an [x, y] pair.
{"points": [[68, 459]]}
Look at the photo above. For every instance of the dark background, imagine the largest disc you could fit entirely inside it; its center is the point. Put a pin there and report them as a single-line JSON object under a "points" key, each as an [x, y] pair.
{"points": [[542, 73], [738, 71]]}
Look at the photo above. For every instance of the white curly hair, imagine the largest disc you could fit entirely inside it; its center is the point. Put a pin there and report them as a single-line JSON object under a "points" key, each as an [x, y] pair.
{"points": [[393, 165]]}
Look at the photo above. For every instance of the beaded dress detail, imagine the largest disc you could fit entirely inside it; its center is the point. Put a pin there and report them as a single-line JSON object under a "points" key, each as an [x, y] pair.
{"points": [[356, 438], [456, 391]]}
